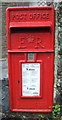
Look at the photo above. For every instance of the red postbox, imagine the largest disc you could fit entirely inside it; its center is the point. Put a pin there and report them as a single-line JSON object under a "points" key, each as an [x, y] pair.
{"points": [[30, 36]]}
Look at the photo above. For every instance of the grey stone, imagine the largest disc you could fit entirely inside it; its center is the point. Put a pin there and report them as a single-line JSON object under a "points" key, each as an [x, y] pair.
{"points": [[4, 69], [5, 98]]}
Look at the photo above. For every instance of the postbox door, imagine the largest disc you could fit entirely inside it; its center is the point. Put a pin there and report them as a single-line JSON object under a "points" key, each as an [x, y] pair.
{"points": [[31, 82]]}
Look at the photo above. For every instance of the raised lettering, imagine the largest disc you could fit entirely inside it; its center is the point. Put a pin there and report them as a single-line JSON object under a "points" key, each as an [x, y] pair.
{"points": [[29, 16], [22, 42], [47, 16], [44, 16], [38, 43], [31, 39]]}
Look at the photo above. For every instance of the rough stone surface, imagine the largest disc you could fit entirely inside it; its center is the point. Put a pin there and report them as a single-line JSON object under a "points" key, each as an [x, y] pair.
{"points": [[60, 52]]}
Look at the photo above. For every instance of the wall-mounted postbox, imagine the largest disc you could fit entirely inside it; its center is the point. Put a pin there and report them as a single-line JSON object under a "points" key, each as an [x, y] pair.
{"points": [[30, 36]]}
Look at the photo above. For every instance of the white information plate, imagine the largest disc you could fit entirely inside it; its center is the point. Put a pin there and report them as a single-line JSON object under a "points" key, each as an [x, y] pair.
{"points": [[30, 79]]}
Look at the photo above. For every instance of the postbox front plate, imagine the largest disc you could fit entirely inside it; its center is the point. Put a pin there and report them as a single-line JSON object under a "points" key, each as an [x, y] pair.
{"points": [[30, 34]]}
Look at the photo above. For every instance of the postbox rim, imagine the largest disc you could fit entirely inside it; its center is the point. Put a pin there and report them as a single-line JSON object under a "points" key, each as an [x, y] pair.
{"points": [[30, 7], [22, 38]]}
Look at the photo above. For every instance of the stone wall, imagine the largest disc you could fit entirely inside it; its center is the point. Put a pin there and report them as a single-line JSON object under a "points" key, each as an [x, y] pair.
{"points": [[60, 52], [58, 58]]}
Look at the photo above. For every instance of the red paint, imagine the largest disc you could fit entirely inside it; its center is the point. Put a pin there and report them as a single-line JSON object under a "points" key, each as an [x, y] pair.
{"points": [[30, 29]]}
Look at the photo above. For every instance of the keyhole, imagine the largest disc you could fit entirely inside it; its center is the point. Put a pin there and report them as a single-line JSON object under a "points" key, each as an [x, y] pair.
{"points": [[18, 81]]}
